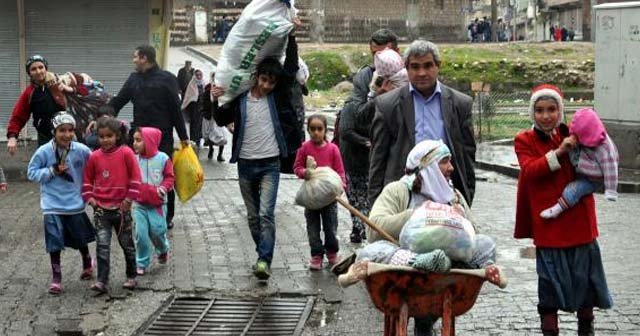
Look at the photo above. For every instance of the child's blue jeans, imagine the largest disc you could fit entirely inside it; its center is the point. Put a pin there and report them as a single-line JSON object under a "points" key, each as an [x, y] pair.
{"points": [[577, 189]]}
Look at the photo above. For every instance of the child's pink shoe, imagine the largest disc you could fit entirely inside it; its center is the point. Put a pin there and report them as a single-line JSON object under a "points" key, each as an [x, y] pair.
{"points": [[130, 284], [333, 258], [99, 287], [55, 288], [315, 263]]}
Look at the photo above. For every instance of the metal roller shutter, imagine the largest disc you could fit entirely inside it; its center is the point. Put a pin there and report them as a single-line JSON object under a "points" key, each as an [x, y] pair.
{"points": [[95, 37], [10, 69]]}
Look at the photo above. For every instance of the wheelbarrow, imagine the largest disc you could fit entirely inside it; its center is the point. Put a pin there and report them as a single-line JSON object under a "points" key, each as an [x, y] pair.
{"points": [[400, 292]]}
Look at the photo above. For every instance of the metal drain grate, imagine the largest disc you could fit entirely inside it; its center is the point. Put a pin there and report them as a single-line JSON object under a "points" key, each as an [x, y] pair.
{"points": [[223, 316]]}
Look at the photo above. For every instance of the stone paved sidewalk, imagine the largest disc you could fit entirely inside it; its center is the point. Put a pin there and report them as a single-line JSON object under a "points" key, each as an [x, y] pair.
{"points": [[213, 252]]}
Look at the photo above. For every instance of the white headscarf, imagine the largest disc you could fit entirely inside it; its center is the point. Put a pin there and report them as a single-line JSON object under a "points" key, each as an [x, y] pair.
{"points": [[425, 157]]}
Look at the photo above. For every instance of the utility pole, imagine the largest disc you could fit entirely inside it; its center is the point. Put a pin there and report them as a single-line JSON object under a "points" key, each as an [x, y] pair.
{"points": [[593, 20], [586, 20], [526, 23], [494, 19], [514, 20], [535, 20]]}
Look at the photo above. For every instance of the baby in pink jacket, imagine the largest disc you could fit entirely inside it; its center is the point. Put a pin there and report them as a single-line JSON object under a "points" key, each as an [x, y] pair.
{"points": [[595, 159]]}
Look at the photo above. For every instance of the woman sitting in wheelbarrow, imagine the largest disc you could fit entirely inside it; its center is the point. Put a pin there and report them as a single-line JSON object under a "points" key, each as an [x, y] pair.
{"points": [[425, 184]]}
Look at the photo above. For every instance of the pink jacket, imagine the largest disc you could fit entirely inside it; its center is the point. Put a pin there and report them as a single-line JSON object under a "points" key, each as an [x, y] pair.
{"points": [[598, 158]]}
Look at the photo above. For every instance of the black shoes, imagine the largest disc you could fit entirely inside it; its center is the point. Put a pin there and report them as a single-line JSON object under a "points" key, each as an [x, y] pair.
{"points": [[357, 236]]}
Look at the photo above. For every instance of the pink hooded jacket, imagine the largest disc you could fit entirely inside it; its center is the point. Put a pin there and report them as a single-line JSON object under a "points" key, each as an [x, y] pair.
{"points": [[149, 192], [588, 127], [598, 157]]}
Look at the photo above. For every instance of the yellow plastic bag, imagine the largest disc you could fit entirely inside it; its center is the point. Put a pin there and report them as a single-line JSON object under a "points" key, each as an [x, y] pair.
{"points": [[188, 173]]}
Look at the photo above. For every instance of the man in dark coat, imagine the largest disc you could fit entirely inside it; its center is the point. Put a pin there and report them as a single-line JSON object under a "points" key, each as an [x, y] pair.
{"points": [[184, 76], [424, 110], [156, 103]]}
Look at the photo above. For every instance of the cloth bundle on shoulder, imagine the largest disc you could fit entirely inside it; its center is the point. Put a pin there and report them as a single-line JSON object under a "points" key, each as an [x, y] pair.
{"points": [[439, 226], [321, 189], [261, 32], [85, 100]]}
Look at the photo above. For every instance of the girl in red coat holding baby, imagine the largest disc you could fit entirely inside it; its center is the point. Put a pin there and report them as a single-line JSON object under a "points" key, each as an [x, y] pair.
{"points": [[568, 261]]}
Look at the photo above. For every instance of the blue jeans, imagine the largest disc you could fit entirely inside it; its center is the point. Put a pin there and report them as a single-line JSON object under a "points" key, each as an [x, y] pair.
{"points": [[325, 219], [259, 181], [577, 189]]}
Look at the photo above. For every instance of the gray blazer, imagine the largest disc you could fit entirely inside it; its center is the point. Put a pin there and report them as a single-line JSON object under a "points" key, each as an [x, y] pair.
{"points": [[393, 137]]}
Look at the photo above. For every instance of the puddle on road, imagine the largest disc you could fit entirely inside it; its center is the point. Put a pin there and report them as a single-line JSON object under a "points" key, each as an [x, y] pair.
{"points": [[322, 317]]}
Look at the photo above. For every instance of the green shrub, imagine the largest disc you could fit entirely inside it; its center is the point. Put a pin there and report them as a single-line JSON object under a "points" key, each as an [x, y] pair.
{"points": [[327, 69], [360, 58]]}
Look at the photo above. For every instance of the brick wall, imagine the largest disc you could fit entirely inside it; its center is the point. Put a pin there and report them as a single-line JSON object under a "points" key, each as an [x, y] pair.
{"points": [[355, 20]]}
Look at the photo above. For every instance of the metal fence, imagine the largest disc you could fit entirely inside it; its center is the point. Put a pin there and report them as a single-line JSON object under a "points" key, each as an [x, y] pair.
{"points": [[501, 115]]}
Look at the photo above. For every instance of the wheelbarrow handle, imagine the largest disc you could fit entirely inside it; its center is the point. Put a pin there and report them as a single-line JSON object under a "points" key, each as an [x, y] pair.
{"points": [[367, 221]]}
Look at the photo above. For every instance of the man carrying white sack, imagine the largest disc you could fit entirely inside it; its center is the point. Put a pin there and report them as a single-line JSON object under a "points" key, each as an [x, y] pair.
{"points": [[259, 146]]}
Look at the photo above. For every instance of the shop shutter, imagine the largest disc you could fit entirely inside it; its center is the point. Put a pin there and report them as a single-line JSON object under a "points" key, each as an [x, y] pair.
{"points": [[10, 69], [97, 37]]}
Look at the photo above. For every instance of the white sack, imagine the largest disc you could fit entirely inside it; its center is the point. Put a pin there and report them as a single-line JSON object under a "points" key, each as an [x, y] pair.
{"points": [[261, 32]]}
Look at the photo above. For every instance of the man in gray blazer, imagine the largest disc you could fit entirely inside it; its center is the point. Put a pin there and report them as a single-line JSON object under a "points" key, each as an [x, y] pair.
{"points": [[423, 110]]}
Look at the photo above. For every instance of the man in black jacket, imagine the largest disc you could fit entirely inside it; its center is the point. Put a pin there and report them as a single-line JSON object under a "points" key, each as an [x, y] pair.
{"points": [[184, 76], [156, 103]]}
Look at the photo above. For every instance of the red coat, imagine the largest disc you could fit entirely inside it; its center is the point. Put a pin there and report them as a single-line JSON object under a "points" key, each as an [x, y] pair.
{"points": [[540, 188], [557, 34]]}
